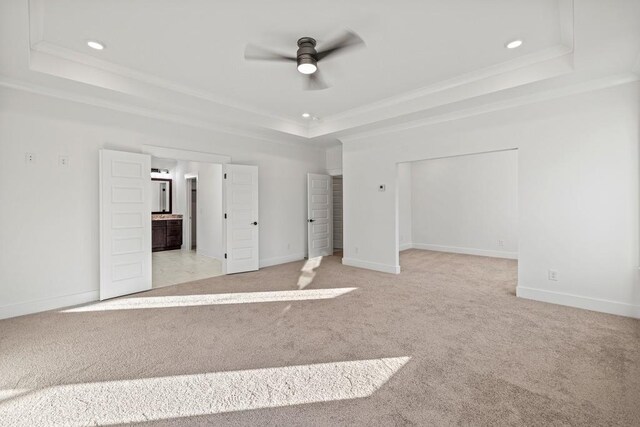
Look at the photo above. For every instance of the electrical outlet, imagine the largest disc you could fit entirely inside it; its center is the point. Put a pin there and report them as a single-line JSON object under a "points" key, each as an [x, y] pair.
{"points": [[288, 246], [356, 248], [63, 161], [501, 243], [553, 275], [30, 158]]}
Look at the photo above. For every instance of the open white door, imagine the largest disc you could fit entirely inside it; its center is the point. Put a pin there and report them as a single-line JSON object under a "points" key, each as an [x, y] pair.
{"points": [[241, 194], [125, 223], [320, 215]]}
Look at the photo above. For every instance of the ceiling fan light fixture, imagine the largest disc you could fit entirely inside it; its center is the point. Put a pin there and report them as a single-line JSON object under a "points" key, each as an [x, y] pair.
{"points": [[306, 115], [307, 57], [307, 67]]}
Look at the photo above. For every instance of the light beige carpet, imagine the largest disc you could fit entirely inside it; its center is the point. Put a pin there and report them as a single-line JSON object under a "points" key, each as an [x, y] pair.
{"points": [[446, 342]]}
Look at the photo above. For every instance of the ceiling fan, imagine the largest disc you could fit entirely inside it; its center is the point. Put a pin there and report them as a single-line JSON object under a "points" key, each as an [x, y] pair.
{"points": [[307, 57]]}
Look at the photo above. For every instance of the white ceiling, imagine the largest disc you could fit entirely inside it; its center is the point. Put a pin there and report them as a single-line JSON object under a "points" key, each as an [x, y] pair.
{"points": [[186, 57], [200, 43]]}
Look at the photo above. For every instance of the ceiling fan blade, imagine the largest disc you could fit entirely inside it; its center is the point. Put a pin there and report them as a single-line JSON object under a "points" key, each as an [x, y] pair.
{"points": [[348, 40], [315, 82], [257, 53]]}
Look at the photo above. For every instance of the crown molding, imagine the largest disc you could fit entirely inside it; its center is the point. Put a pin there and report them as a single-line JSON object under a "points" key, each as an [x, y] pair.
{"points": [[36, 11], [546, 65], [60, 62], [56, 60], [588, 86], [151, 79], [149, 113], [461, 80], [527, 69], [420, 96]]}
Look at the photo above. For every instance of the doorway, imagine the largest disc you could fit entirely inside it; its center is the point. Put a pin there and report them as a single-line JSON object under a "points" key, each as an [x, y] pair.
{"points": [[464, 204], [337, 215], [199, 252], [127, 250], [324, 215], [319, 215]]}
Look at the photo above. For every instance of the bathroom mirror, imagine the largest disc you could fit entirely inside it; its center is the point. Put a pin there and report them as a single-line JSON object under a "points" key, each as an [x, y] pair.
{"points": [[160, 196]]}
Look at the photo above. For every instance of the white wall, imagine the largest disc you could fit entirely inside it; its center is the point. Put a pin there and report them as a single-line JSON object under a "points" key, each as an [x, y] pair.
{"points": [[467, 204], [209, 205], [405, 203], [209, 217], [180, 201], [334, 160], [49, 216], [577, 193]]}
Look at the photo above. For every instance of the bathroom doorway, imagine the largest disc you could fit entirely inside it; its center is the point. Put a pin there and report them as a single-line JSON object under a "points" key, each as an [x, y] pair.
{"points": [[194, 222]]}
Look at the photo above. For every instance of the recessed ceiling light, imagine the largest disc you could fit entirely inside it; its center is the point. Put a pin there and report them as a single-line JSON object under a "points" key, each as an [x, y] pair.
{"points": [[95, 45], [306, 115], [514, 44]]}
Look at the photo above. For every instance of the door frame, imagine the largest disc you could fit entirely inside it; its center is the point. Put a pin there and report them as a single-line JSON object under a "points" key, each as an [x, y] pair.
{"points": [[191, 156], [199, 157], [188, 178]]}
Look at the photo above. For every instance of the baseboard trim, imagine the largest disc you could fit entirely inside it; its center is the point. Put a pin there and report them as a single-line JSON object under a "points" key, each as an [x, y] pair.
{"points": [[268, 262], [385, 268], [577, 301], [37, 306], [405, 246], [466, 251]]}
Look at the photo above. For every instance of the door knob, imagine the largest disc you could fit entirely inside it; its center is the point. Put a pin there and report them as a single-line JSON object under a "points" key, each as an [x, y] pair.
{"points": [[312, 220], [254, 223]]}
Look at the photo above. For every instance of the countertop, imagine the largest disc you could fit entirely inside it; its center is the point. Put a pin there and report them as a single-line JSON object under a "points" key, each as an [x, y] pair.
{"points": [[165, 217]]}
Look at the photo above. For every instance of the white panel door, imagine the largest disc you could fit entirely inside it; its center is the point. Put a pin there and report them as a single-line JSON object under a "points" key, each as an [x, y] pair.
{"points": [[241, 207], [125, 223], [320, 215]]}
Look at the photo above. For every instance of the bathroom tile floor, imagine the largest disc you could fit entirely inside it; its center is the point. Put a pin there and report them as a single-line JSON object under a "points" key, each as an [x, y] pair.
{"points": [[173, 267]]}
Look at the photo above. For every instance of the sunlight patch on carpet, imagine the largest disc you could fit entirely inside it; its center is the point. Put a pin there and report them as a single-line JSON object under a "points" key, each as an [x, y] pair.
{"points": [[8, 394], [307, 272], [144, 399], [210, 299]]}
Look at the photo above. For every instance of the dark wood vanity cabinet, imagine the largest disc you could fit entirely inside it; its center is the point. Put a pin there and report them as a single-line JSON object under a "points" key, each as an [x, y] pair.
{"points": [[166, 234], [158, 235]]}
